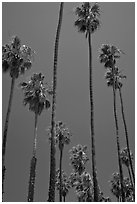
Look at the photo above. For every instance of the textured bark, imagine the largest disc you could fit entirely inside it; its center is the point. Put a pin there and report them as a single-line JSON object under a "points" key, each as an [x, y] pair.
{"points": [[51, 193], [126, 134], [94, 172], [64, 198], [118, 144], [60, 176], [32, 179], [33, 165], [4, 142]]}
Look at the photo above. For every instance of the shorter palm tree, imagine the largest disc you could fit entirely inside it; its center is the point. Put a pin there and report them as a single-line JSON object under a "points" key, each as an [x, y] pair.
{"points": [[62, 137], [78, 158], [116, 187], [65, 184], [35, 95], [79, 178], [83, 186], [126, 162], [16, 59]]}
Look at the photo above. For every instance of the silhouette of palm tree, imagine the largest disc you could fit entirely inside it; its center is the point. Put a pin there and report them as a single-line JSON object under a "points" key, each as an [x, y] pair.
{"points": [[88, 22], [35, 95], [109, 54], [51, 193], [16, 59]]}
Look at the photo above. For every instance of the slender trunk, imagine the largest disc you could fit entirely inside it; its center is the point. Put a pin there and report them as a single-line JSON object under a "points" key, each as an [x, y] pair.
{"points": [[51, 193], [131, 182], [117, 199], [94, 172], [4, 142], [118, 144], [129, 175], [33, 165], [60, 176], [126, 134], [64, 198]]}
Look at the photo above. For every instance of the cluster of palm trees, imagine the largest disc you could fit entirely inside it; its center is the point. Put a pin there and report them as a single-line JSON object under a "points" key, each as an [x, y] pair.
{"points": [[16, 59]]}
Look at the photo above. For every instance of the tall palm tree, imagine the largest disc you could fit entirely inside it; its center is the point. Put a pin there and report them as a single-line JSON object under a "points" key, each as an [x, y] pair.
{"points": [[118, 85], [108, 56], [65, 184], [16, 59], [88, 22], [126, 134], [62, 137], [35, 95], [51, 193]]}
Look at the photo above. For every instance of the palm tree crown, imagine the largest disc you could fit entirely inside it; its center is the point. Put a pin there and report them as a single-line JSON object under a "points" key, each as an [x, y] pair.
{"points": [[125, 157], [88, 18], [116, 188], [79, 158], [16, 58], [114, 77], [65, 182], [62, 135], [35, 94], [109, 54]]}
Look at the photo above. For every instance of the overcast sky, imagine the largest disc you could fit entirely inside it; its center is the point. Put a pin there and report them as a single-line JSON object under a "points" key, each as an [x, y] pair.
{"points": [[35, 24]]}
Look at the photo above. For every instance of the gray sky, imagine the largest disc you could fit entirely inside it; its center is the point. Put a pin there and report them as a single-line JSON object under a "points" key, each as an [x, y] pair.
{"points": [[35, 24]]}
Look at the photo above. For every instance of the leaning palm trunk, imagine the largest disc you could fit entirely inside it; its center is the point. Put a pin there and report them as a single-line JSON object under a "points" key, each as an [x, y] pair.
{"points": [[33, 165], [94, 172], [60, 176], [126, 133], [6, 131], [51, 193], [118, 144]]}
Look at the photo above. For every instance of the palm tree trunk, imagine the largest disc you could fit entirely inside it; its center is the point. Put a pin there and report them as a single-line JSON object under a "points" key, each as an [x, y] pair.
{"points": [[51, 193], [131, 182], [64, 198], [60, 176], [94, 172], [126, 133], [33, 165], [118, 144], [5, 132], [129, 174]]}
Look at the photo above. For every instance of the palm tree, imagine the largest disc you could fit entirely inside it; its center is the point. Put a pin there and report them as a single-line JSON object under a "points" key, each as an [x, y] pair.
{"points": [[126, 133], [126, 162], [16, 59], [88, 22], [118, 85], [51, 193], [62, 138], [83, 186], [35, 95], [108, 56], [116, 187], [78, 158], [79, 178], [65, 183]]}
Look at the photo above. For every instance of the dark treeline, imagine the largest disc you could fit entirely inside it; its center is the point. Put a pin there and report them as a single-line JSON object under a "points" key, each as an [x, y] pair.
{"points": [[40, 96]]}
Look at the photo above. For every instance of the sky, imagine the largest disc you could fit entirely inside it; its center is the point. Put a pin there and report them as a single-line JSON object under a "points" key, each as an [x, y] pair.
{"points": [[35, 24]]}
